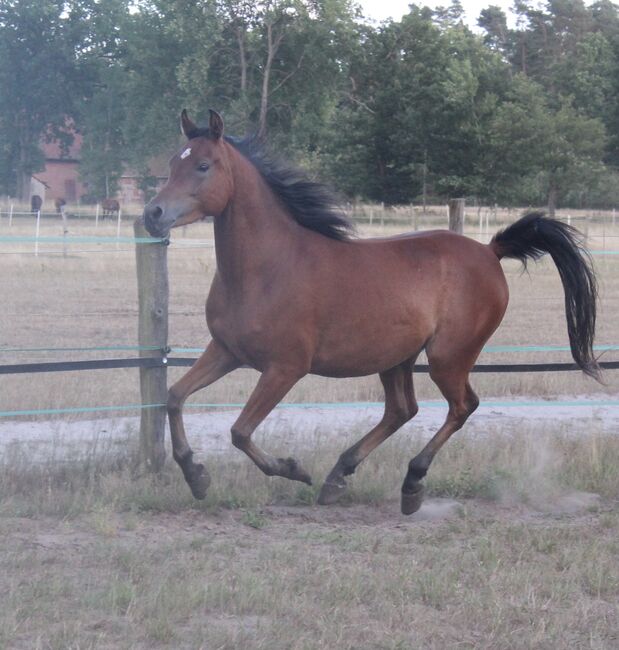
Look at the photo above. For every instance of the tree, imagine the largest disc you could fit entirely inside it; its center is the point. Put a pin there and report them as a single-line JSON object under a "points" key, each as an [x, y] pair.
{"points": [[531, 145], [423, 92], [587, 76], [103, 145], [41, 79], [158, 39], [409, 109], [295, 45], [494, 21], [102, 111]]}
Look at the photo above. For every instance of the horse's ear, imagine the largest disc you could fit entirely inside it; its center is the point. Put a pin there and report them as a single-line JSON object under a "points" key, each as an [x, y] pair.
{"points": [[215, 124], [187, 126]]}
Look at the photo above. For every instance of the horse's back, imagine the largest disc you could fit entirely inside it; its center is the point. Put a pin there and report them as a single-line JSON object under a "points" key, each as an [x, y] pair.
{"points": [[431, 257]]}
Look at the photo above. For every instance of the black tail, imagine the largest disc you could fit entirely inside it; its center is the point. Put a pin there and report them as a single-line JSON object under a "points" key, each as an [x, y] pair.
{"points": [[534, 235]]}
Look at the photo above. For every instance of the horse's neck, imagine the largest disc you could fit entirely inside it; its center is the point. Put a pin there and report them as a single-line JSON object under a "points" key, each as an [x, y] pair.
{"points": [[254, 229]]}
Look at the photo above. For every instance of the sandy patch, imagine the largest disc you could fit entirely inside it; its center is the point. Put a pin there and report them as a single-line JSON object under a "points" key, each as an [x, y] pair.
{"points": [[297, 428]]}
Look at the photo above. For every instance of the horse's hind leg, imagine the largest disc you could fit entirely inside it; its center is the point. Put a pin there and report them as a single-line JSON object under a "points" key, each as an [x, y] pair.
{"points": [[400, 407], [452, 380], [214, 363]]}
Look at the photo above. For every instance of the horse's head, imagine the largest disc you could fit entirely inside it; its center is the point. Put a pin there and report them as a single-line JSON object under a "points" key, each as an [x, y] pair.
{"points": [[200, 181]]}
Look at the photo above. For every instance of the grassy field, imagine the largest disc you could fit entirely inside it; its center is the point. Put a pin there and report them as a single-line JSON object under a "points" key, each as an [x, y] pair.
{"points": [[516, 547]]}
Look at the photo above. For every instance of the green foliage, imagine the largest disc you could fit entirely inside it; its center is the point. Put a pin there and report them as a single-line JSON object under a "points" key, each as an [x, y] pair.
{"points": [[41, 77], [255, 519], [397, 112], [103, 143], [531, 145], [415, 116]]}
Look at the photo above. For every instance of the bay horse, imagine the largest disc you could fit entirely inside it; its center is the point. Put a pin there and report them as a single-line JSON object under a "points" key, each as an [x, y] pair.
{"points": [[295, 292], [110, 207], [36, 202], [60, 205]]}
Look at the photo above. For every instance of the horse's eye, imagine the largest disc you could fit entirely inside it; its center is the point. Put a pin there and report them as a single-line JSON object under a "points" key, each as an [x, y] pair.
{"points": [[203, 167]]}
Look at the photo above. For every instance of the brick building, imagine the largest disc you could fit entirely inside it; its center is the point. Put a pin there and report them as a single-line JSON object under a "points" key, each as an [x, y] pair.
{"points": [[128, 184], [60, 179]]}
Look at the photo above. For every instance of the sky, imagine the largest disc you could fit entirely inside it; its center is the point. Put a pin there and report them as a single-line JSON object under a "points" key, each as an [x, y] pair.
{"points": [[382, 9]]}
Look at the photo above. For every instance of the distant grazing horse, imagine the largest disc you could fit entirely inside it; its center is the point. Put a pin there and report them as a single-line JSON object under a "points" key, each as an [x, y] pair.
{"points": [[294, 293], [60, 205], [35, 203], [110, 207]]}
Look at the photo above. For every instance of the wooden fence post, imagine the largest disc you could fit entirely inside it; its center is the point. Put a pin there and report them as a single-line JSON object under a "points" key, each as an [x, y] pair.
{"points": [[456, 215], [152, 275]]}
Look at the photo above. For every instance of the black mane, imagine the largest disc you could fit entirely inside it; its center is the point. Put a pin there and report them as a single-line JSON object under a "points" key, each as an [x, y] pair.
{"points": [[313, 205]]}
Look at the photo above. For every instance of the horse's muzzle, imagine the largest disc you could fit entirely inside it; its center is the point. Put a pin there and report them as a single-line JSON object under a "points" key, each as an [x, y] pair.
{"points": [[155, 222]]}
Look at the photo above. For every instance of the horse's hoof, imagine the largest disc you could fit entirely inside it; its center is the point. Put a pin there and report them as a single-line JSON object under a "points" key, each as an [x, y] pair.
{"points": [[199, 481], [411, 501], [291, 469], [331, 492]]}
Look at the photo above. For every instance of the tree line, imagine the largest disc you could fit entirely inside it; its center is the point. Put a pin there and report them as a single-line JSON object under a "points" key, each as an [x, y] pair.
{"points": [[411, 110]]}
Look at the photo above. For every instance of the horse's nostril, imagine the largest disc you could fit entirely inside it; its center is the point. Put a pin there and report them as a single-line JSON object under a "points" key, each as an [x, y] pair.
{"points": [[153, 212]]}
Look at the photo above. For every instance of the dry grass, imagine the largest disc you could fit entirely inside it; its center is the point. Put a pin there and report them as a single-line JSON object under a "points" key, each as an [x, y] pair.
{"points": [[171, 582], [89, 298], [538, 463], [95, 556]]}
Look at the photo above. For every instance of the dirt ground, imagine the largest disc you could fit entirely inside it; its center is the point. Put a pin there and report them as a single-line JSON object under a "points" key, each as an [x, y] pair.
{"points": [[458, 574]]}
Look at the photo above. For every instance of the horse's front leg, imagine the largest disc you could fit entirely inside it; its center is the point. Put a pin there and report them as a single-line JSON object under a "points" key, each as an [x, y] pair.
{"points": [[272, 386], [215, 362]]}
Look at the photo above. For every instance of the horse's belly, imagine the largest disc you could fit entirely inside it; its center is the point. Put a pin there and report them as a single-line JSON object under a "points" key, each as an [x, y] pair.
{"points": [[359, 353], [363, 364]]}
